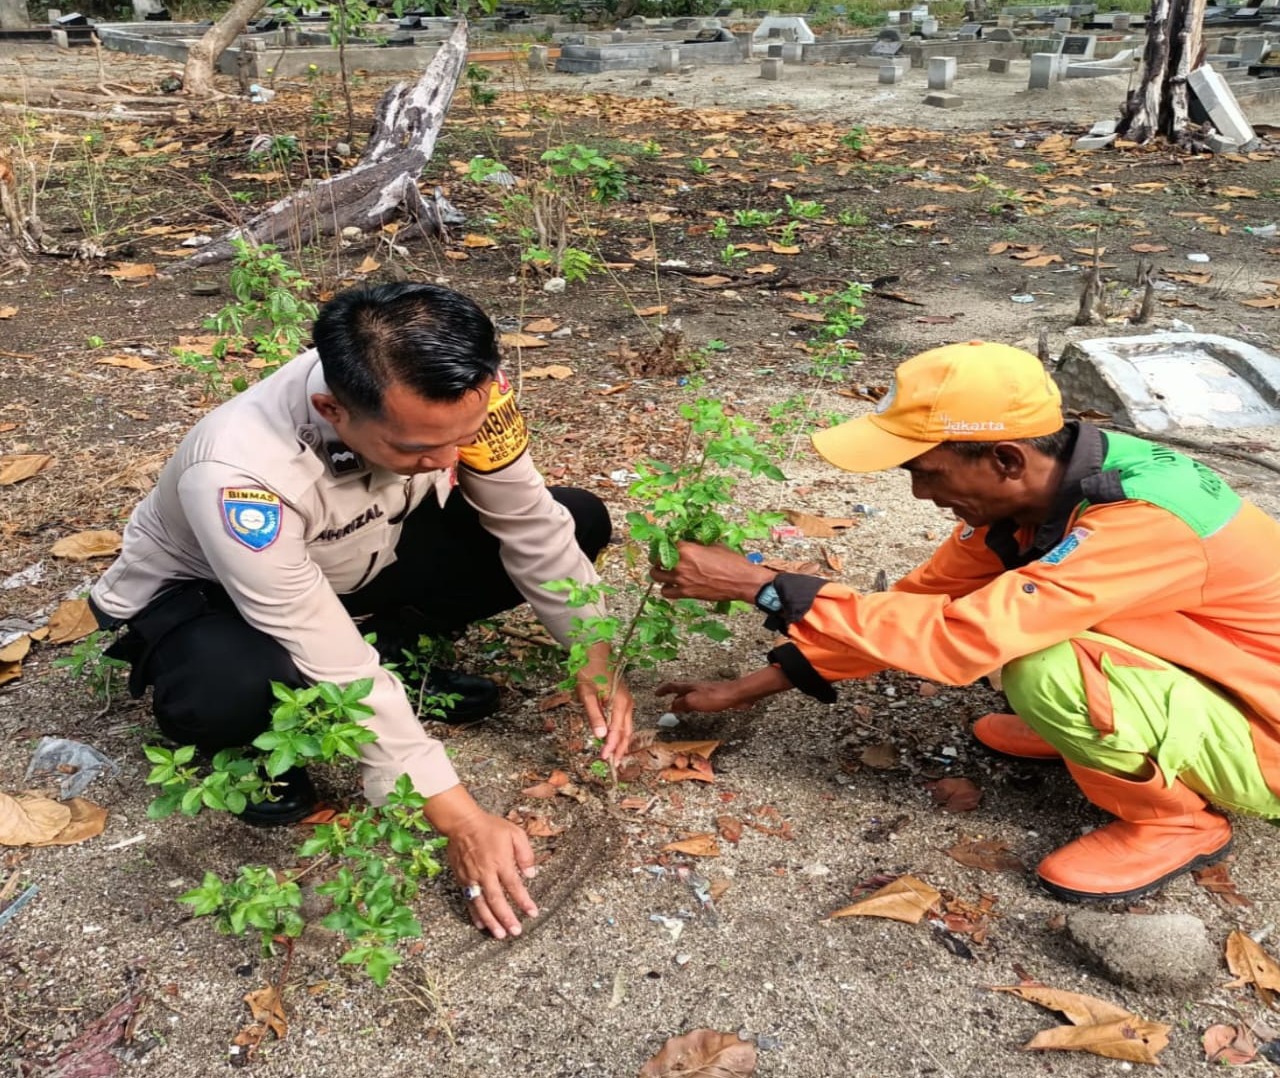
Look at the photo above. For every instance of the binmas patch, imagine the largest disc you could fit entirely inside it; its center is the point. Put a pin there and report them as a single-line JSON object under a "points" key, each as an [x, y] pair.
{"points": [[504, 436], [1067, 547], [252, 516]]}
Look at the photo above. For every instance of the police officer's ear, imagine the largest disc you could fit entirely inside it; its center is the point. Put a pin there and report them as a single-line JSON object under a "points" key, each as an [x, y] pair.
{"points": [[330, 409]]}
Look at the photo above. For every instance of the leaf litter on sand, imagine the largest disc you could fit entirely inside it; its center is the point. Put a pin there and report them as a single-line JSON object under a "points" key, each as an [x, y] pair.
{"points": [[904, 899], [90, 1054], [704, 1053], [1252, 965], [989, 855], [1098, 1027], [1231, 1046], [32, 820]]}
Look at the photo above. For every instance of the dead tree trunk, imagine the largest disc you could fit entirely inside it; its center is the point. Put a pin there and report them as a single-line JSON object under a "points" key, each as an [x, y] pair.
{"points": [[385, 180], [1159, 105], [197, 75], [20, 229]]}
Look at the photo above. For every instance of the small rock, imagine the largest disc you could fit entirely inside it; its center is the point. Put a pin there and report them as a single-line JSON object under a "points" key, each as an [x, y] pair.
{"points": [[206, 288], [352, 233], [554, 285], [1166, 952]]}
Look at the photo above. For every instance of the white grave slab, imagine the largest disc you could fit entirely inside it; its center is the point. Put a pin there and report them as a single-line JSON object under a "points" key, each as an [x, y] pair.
{"points": [[1220, 103], [794, 23]]}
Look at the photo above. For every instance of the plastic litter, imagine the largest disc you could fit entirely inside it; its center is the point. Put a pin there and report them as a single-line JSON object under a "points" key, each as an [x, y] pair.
{"points": [[668, 720], [260, 95], [1023, 298], [1196, 256], [32, 574], [75, 763], [1261, 231], [701, 888]]}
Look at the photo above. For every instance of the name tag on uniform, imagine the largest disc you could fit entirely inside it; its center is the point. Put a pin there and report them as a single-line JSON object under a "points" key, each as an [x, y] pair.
{"points": [[252, 516], [504, 435]]}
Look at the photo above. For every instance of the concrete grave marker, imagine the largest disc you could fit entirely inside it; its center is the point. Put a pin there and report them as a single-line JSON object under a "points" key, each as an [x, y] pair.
{"points": [[1173, 381], [941, 100], [893, 73], [999, 33], [1080, 46], [942, 72], [1220, 103], [1121, 23], [669, 60], [799, 28], [1046, 69], [999, 65], [886, 48], [1062, 26], [792, 52], [1253, 49], [771, 69]]}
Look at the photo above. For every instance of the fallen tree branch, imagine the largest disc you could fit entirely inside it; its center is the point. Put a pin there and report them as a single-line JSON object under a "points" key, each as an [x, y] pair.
{"points": [[115, 115], [382, 184]]}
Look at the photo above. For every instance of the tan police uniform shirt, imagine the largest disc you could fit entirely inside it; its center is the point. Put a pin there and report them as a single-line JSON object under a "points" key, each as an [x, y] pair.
{"points": [[263, 498]]}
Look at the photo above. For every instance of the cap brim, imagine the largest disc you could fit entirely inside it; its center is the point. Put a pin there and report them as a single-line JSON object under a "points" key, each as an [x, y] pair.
{"points": [[861, 445]]}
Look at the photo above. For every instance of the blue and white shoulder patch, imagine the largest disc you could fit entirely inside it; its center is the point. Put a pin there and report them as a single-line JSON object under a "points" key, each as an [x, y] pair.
{"points": [[252, 516], [1070, 542]]}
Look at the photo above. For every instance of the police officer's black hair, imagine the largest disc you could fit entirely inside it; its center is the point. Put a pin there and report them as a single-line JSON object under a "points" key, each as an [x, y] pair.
{"points": [[432, 340]]}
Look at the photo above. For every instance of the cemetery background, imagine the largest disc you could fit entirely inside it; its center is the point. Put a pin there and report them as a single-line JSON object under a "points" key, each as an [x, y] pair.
{"points": [[953, 224]]}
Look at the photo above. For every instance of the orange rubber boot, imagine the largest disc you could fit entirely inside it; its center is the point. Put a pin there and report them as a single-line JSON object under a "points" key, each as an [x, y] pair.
{"points": [[1010, 735], [1161, 833]]}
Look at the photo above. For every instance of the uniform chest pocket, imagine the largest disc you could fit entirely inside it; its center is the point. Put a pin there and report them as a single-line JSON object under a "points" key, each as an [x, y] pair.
{"points": [[350, 553]]}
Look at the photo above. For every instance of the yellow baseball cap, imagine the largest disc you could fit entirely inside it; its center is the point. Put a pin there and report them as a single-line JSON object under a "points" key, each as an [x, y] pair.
{"points": [[974, 392]]}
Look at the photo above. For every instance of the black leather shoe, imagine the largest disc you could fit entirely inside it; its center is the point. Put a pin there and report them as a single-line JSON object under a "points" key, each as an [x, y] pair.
{"points": [[295, 800], [478, 696]]}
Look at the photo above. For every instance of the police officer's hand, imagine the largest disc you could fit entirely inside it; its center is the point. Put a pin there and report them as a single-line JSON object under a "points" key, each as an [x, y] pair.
{"points": [[487, 852], [610, 715], [724, 695], [711, 572]]}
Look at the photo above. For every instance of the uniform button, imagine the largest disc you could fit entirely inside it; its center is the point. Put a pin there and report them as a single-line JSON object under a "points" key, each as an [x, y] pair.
{"points": [[1030, 589]]}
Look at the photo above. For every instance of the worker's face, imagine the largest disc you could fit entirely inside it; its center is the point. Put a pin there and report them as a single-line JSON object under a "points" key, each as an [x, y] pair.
{"points": [[413, 435], [978, 490]]}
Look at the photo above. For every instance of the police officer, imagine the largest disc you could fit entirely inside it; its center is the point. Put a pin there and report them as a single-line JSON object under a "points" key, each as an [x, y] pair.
{"points": [[379, 482], [1129, 595]]}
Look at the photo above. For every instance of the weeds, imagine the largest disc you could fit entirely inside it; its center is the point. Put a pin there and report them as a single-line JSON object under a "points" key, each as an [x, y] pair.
{"points": [[103, 676]]}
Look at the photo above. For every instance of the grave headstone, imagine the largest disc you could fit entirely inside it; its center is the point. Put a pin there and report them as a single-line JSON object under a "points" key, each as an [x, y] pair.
{"points": [[64, 22], [743, 38], [1078, 46], [893, 73], [1005, 22], [974, 28], [60, 38], [1045, 70], [942, 72], [1253, 49], [774, 52], [1122, 22], [791, 26], [792, 52], [1228, 44], [904, 20], [669, 60], [1062, 26], [538, 56], [999, 34], [771, 69], [928, 27], [886, 48], [889, 33], [940, 99], [999, 65], [1220, 103], [54, 15]]}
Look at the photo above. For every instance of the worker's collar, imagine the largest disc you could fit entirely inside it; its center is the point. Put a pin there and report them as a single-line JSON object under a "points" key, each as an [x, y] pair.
{"points": [[1083, 480]]}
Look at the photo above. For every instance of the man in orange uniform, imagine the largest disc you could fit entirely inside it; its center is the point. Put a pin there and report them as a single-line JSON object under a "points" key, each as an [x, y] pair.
{"points": [[1130, 597]]}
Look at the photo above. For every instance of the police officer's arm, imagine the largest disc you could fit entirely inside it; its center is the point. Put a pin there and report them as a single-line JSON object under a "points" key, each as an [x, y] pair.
{"points": [[279, 590]]}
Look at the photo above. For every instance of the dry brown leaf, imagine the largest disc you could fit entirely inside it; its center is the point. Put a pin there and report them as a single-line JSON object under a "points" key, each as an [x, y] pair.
{"points": [[762, 268], [880, 757], [130, 271], [457, 256], [1252, 965], [471, 239], [522, 340], [1138, 1040], [686, 774], [23, 466], [1271, 302], [267, 1009], [645, 312], [5, 428], [555, 700], [1189, 278], [712, 281], [816, 527], [989, 855], [542, 325], [7, 312], [1042, 260], [758, 248], [541, 827], [1148, 248], [71, 621], [1079, 1009], [87, 821], [1216, 879], [702, 749], [700, 845], [730, 828], [85, 545], [368, 265], [542, 790], [1229, 1045], [999, 248], [783, 249], [1236, 192], [133, 363], [955, 795], [905, 899], [31, 820], [11, 656], [807, 316], [557, 371], [704, 1053]]}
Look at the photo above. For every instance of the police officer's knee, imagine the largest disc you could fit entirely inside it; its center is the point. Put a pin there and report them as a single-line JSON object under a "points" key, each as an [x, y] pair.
{"points": [[592, 526]]}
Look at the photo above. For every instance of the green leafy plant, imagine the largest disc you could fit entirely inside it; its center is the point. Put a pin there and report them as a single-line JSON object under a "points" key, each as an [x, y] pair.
{"points": [[479, 169], [843, 316], [804, 209], [754, 218], [274, 152], [604, 179], [477, 86], [720, 230], [650, 148], [103, 675], [853, 219], [691, 499], [730, 254], [855, 138], [787, 237], [698, 166]]}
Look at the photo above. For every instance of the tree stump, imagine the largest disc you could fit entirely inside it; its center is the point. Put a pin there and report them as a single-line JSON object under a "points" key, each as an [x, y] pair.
{"points": [[1159, 104], [382, 184]]}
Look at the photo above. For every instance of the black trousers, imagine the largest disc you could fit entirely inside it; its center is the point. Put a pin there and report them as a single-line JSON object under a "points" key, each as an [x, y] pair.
{"points": [[211, 671]]}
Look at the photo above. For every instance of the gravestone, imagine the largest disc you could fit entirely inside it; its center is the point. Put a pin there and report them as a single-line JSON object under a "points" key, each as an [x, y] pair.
{"points": [[771, 69], [942, 72], [538, 56], [904, 20], [796, 26], [889, 33], [886, 49], [939, 99], [1172, 381], [1062, 26], [1228, 44], [928, 27], [1000, 34], [1078, 46], [1046, 69], [892, 73], [971, 28], [792, 52], [1220, 103], [999, 65], [743, 38], [669, 60], [1121, 23], [1253, 49], [774, 51], [1005, 22]]}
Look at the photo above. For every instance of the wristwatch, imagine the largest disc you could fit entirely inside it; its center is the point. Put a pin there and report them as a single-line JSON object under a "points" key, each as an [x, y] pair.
{"points": [[768, 600]]}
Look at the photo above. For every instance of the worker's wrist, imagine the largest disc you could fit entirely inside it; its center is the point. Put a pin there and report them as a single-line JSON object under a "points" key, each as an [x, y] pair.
{"points": [[451, 809]]}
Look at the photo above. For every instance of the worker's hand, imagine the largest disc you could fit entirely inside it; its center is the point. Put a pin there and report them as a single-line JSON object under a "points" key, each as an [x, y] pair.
{"points": [[609, 714], [489, 853], [711, 572], [725, 695]]}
